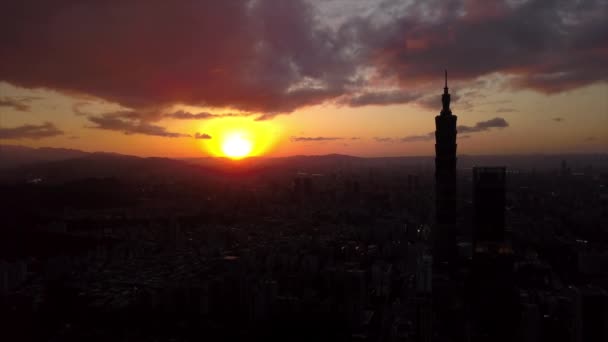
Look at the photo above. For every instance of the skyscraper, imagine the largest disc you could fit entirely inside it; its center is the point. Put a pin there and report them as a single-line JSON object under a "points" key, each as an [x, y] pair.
{"points": [[494, 297], [489, 206], [445, 180]]}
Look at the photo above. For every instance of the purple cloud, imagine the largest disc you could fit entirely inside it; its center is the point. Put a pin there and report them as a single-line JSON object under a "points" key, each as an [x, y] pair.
{"points": [[272, 57], [120, 124], [29, 131]]}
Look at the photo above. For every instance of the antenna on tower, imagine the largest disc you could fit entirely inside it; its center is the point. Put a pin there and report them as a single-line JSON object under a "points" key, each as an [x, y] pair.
{"points": [[446, 78]]}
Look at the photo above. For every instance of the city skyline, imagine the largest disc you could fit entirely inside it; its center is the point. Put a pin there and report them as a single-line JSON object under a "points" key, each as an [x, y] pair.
{"points": [[369, 205], [361, 80]]}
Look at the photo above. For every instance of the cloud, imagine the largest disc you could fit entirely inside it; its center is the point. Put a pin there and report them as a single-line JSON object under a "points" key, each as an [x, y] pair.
{"points": [[384, 139], [44, 130], [77, 108], [381, 98], [506, 110], [19, 104], [272, 57], [480, 126], [459, 102], [156, 114], [484, 126], [590, 139], [126, 126], [558, 119], [204, 136], [277, 56], [548, 46], [415, 138], [183, 115], [308, 139]]}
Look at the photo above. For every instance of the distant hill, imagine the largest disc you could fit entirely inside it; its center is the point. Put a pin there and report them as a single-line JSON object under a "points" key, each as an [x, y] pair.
{"points": [[54, 165], [100, 165], [76, 165], [12, 156], [257, 161]]}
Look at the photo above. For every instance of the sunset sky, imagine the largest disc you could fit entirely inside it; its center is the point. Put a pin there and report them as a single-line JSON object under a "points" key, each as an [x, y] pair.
{"points": [[357, 77]]}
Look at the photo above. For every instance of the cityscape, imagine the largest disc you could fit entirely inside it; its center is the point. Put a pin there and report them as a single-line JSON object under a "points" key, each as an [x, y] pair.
{"points": [[270, 239]]}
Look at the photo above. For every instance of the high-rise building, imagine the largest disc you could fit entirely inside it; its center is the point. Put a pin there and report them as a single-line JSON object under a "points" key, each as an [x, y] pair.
{"points": [[489, 207], [445, 181], [492, 289]]}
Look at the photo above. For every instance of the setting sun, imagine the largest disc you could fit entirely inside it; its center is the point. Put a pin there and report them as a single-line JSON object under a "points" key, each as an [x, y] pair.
{"points": [[236, 146], [238, 137]]}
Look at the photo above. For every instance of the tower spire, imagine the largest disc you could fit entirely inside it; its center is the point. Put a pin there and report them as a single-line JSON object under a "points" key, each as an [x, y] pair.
{"points": [[445, 98]]}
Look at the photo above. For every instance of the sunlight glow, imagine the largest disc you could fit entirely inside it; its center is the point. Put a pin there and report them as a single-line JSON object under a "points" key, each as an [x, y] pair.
{"points": [[239, 137], [236, 146]]}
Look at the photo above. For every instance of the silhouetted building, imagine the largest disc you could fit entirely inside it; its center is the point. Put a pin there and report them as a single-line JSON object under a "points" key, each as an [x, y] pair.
{"points": [[595, 315], [494, 296], [489, 206], [565, 170], [445, 180]]}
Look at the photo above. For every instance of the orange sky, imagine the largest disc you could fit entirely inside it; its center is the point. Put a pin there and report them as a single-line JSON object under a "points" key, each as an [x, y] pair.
{"points": [[583, 127], [357, 77]]}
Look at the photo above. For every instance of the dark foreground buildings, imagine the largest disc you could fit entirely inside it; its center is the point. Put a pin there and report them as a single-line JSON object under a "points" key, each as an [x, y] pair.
{"points": [[489, 195], [523, 281], [327, 248], [474, 298]]}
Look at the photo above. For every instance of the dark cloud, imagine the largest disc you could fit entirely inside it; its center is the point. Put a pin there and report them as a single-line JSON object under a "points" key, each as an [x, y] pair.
{"points": [[126, 126], [558, 119], [204, 136], [19, 103], [479, 127], [381, 98], [355, 138], [590, 139], [155, 115], [273, 57], [260, 56], [549, 46], [307, 139], [484, 126], [44, 130], [266, 116], [183, 115]]}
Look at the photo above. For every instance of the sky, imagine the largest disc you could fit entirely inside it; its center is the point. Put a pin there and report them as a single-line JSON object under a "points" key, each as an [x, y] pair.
{"points": [[357, 77]]}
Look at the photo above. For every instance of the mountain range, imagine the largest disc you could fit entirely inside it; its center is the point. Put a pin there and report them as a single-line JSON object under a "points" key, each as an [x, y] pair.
{"points": [[20, 163]]}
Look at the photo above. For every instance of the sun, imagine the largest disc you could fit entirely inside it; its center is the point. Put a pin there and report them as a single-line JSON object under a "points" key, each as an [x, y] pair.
{"points": [[238, 137], [236, 146]]}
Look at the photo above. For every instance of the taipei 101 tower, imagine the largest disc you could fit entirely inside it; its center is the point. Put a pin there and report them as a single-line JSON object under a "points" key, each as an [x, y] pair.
{"points": [[444, 232]]}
